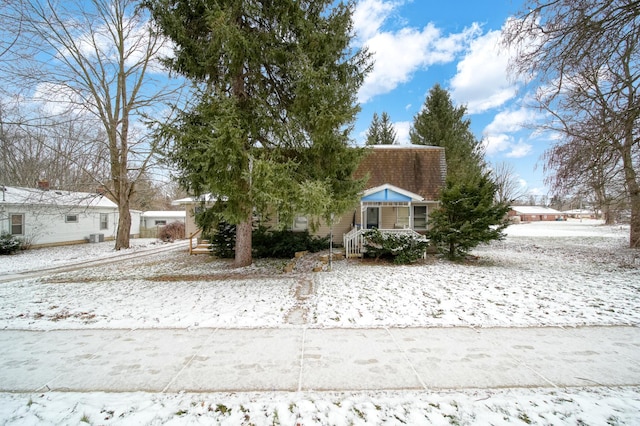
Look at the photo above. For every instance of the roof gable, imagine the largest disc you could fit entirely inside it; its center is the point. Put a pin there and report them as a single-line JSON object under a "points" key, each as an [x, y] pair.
{"points": [[388, 192], [420, 170]]}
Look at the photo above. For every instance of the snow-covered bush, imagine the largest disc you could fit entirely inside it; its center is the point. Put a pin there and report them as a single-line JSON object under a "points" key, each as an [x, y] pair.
{"points": [[9, 244], [403, 248]]}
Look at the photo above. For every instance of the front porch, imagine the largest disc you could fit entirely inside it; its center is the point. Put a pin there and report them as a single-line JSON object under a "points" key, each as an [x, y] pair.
{"points": [[389, 209]]}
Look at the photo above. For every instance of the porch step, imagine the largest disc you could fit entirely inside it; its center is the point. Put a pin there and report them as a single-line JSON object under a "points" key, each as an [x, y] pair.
{"points": [[203, 247]]}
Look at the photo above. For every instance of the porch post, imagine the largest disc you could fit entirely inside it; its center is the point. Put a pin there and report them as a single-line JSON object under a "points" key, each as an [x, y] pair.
{"points": [[410, 215]]}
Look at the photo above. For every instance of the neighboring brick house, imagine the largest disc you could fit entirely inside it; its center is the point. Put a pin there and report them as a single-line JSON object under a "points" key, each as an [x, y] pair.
{"points": [[535, 214]]}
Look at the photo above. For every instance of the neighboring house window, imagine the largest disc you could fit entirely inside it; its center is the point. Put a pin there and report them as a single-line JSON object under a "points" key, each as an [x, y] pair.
{"points": [[17, 224], [160, 222], [420, 217], [104, 221], [71, 218], [402, 217], [300, 223]]}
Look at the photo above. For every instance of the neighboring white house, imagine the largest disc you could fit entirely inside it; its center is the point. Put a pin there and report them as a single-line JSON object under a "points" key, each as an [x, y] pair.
{"points": [[136, 219], [46, 217], [152, 219], [151, 222]]}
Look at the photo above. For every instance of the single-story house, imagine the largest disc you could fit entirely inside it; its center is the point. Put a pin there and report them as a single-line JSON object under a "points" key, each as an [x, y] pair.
{"points": [[402, 189], [151, 221], [535, 214], [47, 217], [191, 205], [136, 218]]}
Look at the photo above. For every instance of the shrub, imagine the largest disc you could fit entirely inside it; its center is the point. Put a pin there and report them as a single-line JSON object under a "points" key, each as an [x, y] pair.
{"points": [[266, 242], [171, 232], [9, 244], [223, 240], [402, 248], [283, 244]]}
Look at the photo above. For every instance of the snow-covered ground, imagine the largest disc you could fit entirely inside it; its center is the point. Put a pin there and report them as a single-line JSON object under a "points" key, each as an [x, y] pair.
{"points": [[543, 274]]}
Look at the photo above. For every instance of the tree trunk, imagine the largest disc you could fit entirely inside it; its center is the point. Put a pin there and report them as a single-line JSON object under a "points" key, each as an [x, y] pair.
{"points": [[243, 244], [633, 188], [634, 231], [124, 225]]}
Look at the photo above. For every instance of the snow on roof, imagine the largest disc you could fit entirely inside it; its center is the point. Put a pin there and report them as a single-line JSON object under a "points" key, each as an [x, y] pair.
{"points": [[53, 197], [534, 210], [164, 213], [190, 200]]}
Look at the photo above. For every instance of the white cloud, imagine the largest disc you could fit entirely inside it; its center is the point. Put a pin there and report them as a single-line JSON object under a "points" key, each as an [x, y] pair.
{"points": [[503, 143], [498, 135], [510, 121], [56, 99], [519, 150], [482, 81], [402, 131], [369, 16], [398, 54], [495, 144]]}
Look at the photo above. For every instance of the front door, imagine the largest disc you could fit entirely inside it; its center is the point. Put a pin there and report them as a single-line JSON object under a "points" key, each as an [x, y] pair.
{"points": [[373, 217]]}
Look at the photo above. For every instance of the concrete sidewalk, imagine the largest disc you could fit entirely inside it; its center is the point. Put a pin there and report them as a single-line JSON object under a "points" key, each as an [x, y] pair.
{"points": [[301, 359]]}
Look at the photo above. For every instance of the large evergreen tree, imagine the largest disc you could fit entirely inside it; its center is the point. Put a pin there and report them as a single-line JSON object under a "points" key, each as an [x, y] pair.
{"points": [[275, 102], [468, 214], [440, 123]]}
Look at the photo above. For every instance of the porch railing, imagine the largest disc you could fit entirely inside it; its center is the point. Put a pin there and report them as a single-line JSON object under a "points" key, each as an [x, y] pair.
{"points": [[354, 240], [191, 237]]}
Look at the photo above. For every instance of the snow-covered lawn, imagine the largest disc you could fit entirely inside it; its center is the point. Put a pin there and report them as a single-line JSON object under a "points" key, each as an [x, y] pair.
{"points": [[544, 274]]}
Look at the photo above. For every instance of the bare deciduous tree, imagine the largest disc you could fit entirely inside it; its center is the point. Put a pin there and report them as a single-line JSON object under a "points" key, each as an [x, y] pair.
{"points": [[585, 56], [97, 57], [508, 188], [70, 154]]}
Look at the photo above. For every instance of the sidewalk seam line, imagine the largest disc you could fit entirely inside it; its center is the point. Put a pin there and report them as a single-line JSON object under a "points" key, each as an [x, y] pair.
{"points": [[404, 354], [528, 367], [188, 363], [304, 338]]}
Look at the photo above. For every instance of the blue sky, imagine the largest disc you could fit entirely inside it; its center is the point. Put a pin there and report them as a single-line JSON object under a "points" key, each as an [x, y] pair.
{"points": [[418, 43]]}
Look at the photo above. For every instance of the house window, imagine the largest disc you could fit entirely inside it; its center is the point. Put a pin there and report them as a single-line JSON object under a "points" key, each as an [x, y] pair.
{"points": [[71, 218], [160, 222], [300, 223], [104, 221], [420, 217], [17, 224], [402, 217]]}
